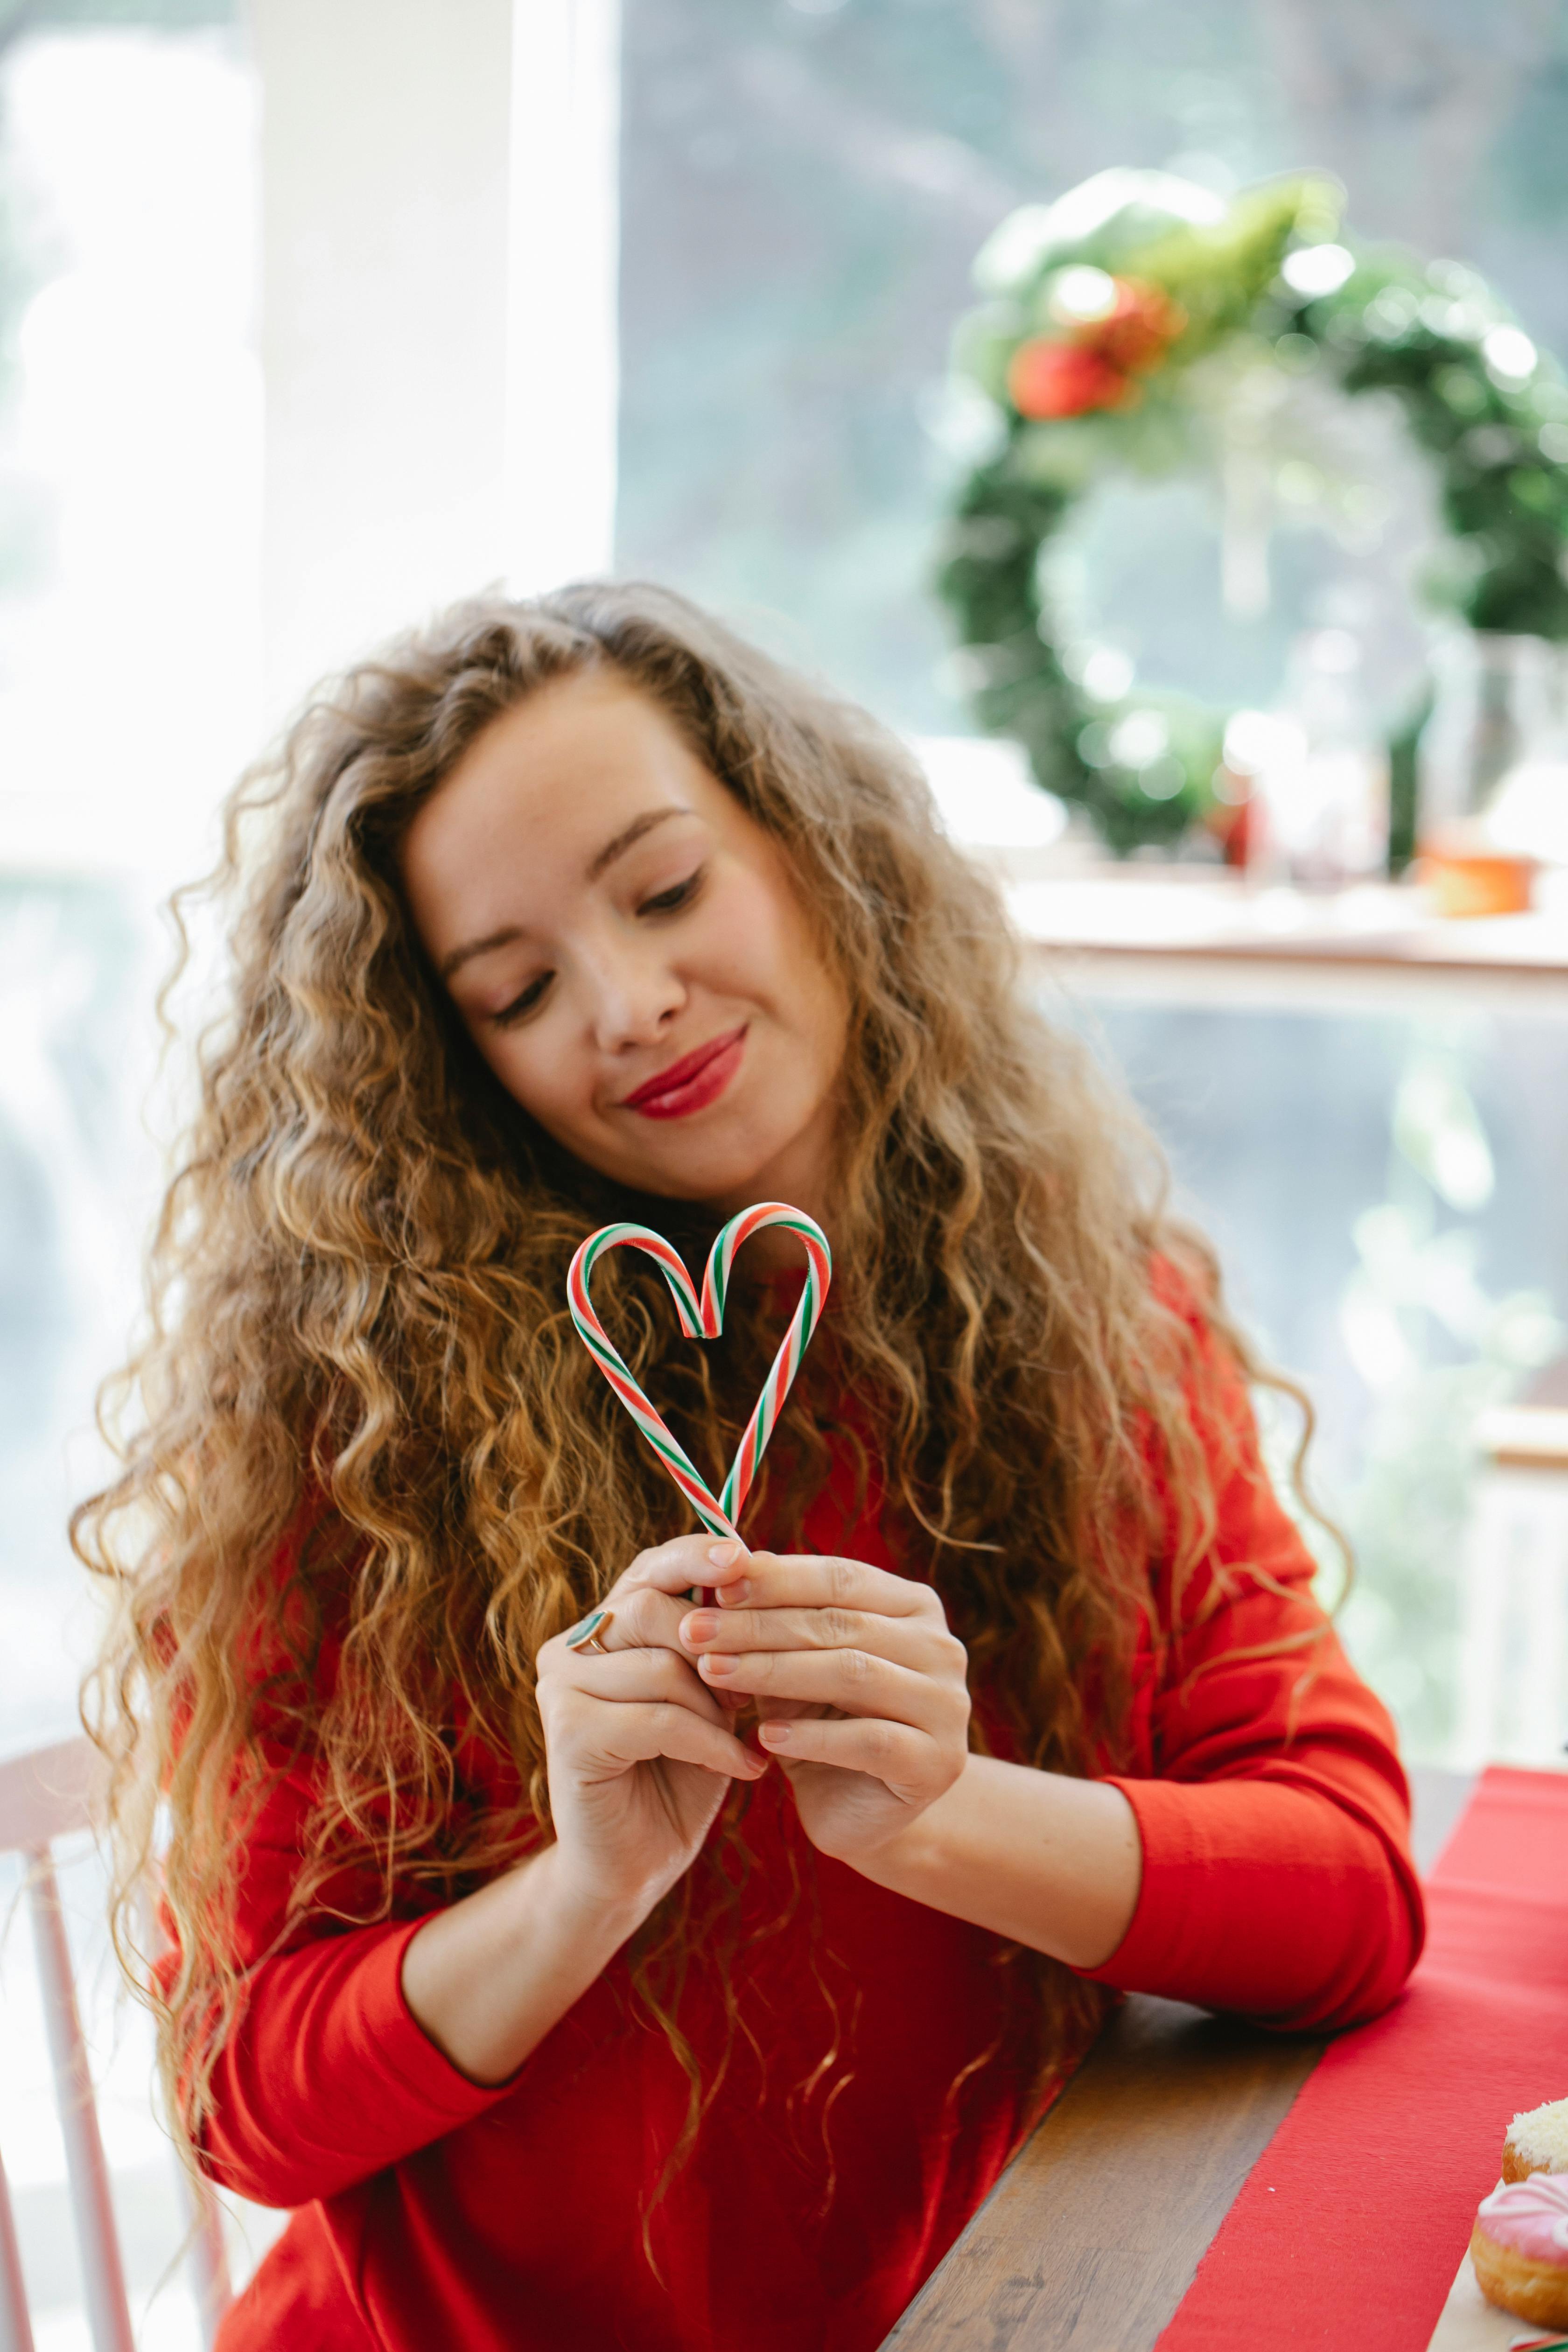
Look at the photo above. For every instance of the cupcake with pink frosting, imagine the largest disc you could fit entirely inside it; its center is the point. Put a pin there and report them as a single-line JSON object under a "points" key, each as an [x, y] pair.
{"points": [[1519, 2247]]}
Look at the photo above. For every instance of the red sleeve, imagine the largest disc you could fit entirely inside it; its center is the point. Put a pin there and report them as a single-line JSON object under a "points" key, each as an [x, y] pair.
{"points": [[1277, 1879], [326, 2077]]}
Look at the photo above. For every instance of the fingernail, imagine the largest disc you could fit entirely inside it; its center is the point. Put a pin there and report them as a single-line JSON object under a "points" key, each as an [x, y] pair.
{"points": [[736, 1595], [719, 1663], [774, 1735], [701, 1626], [725, 1555]]}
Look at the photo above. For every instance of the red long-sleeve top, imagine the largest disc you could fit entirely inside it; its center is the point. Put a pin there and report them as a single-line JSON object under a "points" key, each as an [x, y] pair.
{"points": [[1277, 1881]]}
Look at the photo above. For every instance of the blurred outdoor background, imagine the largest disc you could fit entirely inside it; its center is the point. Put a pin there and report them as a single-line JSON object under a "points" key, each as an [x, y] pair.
{"points": [[314, 313]]}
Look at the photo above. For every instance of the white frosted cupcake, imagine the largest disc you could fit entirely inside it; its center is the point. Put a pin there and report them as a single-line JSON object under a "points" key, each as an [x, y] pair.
{"points": [[1537, 2142]]}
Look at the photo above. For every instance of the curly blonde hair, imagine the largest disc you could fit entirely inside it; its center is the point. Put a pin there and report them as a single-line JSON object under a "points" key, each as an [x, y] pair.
{"points": [[359, 1360]]}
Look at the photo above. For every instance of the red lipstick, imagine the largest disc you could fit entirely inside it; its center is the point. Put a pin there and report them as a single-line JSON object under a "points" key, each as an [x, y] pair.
{"points": [[690, 1085]]}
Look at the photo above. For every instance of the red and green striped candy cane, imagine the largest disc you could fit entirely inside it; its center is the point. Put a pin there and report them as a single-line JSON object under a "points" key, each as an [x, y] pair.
{"points": [[703, 1318]]}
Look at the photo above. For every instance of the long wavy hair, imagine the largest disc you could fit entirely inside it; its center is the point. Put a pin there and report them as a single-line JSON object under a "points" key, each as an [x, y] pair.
{"points": [[358, 1361]]}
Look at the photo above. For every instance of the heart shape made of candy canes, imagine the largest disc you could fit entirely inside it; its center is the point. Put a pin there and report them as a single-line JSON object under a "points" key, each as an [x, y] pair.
{"points": [[703, 1318]]}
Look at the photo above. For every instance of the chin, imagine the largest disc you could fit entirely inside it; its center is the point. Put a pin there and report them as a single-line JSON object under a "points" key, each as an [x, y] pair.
{"points": [[710, 1185], [712, 1174]]}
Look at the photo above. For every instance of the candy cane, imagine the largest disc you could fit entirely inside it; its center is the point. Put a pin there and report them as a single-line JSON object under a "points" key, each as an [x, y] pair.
{"points": [[703, 1318]]}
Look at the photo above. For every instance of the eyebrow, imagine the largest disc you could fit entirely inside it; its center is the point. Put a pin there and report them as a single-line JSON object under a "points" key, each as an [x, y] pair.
{"points": [[598, 865], [630, 834]]}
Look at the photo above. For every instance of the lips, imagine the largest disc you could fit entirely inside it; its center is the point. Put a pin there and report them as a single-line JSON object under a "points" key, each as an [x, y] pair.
{"points": [[690, 1085]]}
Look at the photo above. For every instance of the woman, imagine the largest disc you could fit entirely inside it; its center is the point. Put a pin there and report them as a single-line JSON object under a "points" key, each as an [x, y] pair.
{"points": [[586, 1966]]}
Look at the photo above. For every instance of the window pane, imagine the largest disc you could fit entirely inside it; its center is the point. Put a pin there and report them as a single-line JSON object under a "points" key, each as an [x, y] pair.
{"points": [[806, 184], [129, 467]]}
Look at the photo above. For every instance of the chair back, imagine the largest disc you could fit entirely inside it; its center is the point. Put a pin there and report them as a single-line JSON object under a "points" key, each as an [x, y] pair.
{"points": [[1513, 1633], [50, 1794]]}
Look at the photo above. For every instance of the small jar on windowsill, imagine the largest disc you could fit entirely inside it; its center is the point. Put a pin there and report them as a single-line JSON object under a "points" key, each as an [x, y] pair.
{"points": [[1311, 776], [1493, 774], [1465, 873]]}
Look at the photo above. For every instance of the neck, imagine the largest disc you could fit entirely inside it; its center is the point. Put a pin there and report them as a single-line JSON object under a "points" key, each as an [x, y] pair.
{"points": [[801, 1176]]}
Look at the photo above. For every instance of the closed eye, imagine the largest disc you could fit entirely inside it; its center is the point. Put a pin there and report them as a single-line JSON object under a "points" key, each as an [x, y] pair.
{"points": [[524, 1003], [664, 902], [679, 894]]}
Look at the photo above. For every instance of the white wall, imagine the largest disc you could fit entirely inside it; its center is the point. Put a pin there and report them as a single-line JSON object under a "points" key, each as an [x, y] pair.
{"points": [[131, 439], [438, 338], [385, 136]]}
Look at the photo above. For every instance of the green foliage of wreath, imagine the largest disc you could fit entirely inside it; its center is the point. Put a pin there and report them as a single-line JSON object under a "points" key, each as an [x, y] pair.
{"points": [[1098, 310]]}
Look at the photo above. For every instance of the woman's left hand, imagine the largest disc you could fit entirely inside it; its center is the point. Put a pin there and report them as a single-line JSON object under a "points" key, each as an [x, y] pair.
{"points": [[860, 1689]]}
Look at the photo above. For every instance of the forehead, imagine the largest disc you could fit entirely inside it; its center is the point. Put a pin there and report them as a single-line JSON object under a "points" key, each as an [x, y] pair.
{"points": [[544, 787], [567, 751]]}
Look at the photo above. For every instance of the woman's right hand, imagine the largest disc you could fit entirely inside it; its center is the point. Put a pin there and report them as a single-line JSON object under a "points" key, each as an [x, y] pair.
{"points": [[638, 1750]]}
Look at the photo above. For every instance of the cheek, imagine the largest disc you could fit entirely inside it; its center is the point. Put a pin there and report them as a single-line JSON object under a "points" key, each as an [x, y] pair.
{"points": [[748, 940], [817, 1002], [541, 1073], [762, 945], [804, 988]]}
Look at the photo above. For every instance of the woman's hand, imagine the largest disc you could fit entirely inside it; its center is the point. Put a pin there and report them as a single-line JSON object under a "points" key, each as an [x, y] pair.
{"points": [[638, 1750], [860, 1689], [859, 1686], [638, 1754]]}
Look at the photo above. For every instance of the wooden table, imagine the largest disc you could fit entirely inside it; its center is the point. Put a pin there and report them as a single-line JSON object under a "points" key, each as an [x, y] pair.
{"points": [[1091, 2237]]}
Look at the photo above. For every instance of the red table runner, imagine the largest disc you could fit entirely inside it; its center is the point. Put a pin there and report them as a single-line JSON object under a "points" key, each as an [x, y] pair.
{"points": [[1348, 2232]]}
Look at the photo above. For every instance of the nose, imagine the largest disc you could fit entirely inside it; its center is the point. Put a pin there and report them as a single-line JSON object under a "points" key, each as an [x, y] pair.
{"points": [[635, 994]]}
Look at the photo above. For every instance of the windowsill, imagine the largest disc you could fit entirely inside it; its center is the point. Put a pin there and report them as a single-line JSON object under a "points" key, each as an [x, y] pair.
{"points": [[1190, 937], [1193, 910]]}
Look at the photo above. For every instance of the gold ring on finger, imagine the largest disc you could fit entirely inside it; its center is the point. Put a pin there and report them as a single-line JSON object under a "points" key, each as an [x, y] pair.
{"points": [[588, 1638]]}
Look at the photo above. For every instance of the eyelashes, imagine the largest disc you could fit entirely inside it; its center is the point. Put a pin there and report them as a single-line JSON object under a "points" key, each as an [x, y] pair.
{"points": [[528, 999], [524, 1003], [680, 894]]}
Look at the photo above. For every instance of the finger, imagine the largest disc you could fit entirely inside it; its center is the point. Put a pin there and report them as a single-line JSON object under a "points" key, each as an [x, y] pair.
{"points": [[631, 1675], [638, 1735], [645, 1619], [638, 1617], [816, 1581], [922, 1643], [684, 1563], [591, 1635], [854, 1680], [906, 1760]]}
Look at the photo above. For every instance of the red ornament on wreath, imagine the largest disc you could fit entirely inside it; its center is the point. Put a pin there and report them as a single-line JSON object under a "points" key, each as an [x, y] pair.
{"points": [[1139, 329], [1046, 379], [1096, 364]]}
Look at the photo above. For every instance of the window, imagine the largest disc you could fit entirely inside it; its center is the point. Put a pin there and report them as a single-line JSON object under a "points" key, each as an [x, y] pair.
{"points": [[804, 185]]}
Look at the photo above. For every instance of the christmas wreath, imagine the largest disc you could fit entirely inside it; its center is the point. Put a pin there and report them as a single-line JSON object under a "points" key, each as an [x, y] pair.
{"points": [[1106, 317]]}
